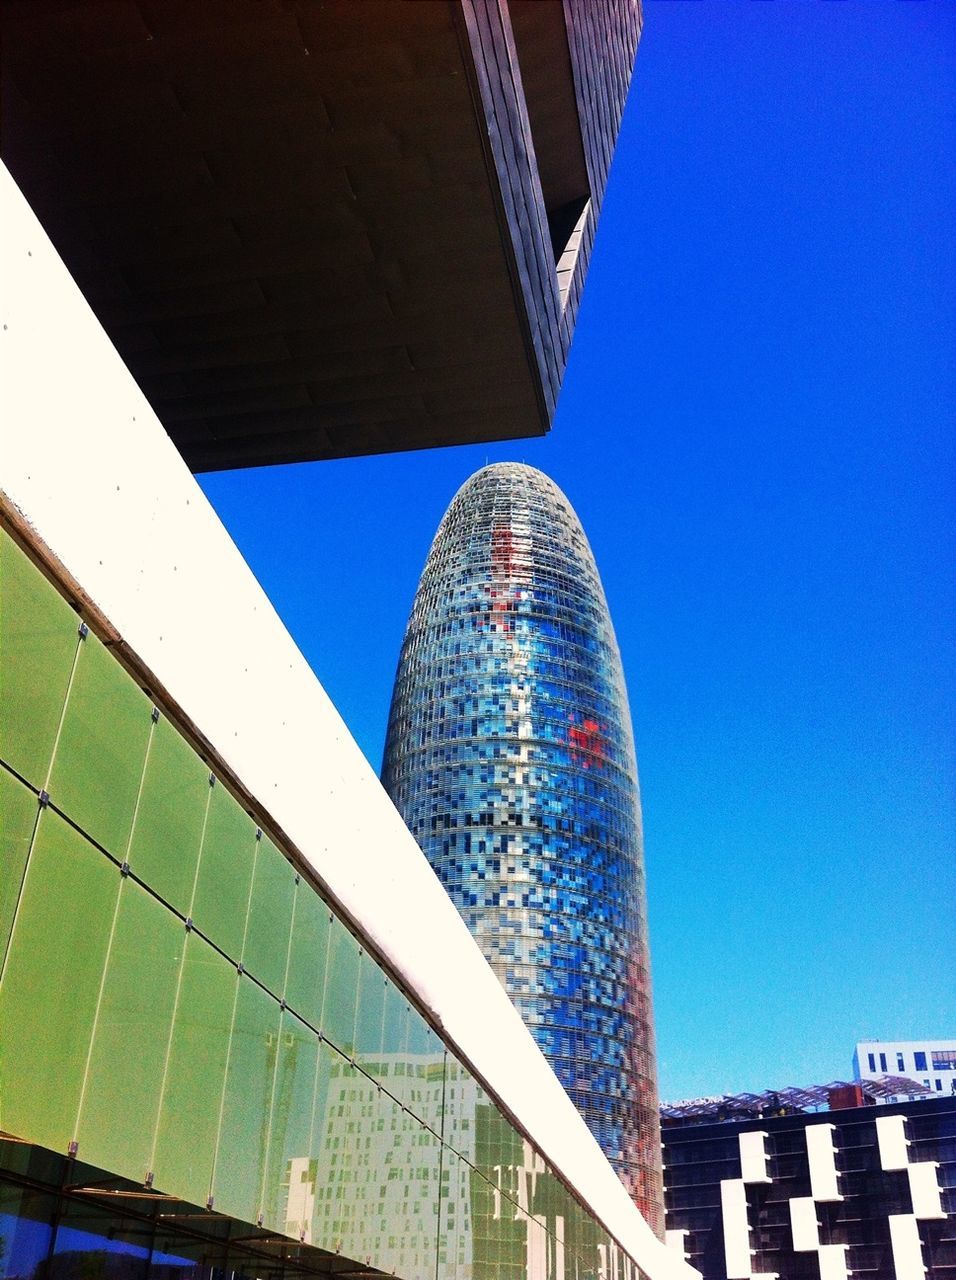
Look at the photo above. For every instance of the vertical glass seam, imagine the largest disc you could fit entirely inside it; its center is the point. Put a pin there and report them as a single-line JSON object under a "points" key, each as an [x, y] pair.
{"points": [[202, 845], [179, 986], [109, 945], [139, 791], [23, 876], [99, 1002], [80, 640], [222, 1096], [288, 950], [261, 1191]]}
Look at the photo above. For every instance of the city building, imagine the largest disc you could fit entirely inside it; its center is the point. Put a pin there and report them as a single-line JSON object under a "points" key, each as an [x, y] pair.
{"points": [[931, 1062], [772, 1185], [511, 758], [231, 986]]}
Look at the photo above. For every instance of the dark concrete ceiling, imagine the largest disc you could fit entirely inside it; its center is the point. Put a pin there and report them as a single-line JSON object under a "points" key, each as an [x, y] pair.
{"points": [[288, 214]]}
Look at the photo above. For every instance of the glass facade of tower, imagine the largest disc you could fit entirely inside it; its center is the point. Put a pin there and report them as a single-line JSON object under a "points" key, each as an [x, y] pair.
{"points": [[510, 756]]}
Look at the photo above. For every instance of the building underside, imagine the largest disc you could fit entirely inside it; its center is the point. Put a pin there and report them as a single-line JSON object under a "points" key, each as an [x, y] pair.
{"points": [[319, 230]]}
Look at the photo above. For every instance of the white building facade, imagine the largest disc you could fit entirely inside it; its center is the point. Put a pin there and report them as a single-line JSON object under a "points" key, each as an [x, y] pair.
{"points": [[930, 1062]]}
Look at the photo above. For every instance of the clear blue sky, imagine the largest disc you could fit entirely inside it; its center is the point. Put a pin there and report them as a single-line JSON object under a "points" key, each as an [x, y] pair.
{"points": [[756, 430]]}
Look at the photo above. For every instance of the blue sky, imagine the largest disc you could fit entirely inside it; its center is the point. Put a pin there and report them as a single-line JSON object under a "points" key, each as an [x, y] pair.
{"points": [[756, 429]]}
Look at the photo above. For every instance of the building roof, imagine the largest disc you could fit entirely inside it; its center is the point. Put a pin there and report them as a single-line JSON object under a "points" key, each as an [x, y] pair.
{"points": [[812, 1097], [318, 230]]}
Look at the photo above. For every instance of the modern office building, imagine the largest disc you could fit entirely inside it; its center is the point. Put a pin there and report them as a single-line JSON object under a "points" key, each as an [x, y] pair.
{"points": [[511, 758], [800, 1193], [243, 1030], [931, 1062]]}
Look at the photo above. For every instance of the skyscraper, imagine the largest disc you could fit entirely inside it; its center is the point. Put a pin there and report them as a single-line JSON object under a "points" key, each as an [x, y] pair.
{"points": [[510, 755]]}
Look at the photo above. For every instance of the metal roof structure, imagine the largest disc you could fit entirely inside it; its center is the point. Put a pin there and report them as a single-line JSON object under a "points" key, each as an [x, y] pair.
{"points": [[814, 1097]]}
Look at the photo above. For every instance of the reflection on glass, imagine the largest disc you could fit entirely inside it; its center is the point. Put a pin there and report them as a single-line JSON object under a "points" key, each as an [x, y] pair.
{"points": [[25, 1230], [301, 1077], [450, 1179], [377, 1197]]}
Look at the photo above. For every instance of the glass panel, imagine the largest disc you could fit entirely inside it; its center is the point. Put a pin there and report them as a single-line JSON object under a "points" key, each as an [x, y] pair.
{"points": [[26, 1219], [506, 1241], [589, 1244], [98, 764], [308, 954], [395, 1020], [164, 848], [38, 639], [425, 1056], [121, 1098], [180, 1257], [341, 988], [195, 1074], [384, 1207], [66, 911], [561, 1213], [291, 1170], [18, 807], [329, 1123], [221, 900], [421, 1038], [270, 917], [455, 1235], [86, 1236], [369, 1015], [499, 1150], [463, 1099], [535, 1247], [394, 1064], [247, 1103]]}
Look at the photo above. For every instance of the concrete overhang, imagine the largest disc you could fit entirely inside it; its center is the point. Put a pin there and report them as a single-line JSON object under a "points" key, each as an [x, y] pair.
{"points": [[317, 229]]}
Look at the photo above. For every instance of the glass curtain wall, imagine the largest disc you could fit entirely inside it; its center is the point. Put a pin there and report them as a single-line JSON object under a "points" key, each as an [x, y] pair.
{"points": [[196, 1045], [510, 755]]}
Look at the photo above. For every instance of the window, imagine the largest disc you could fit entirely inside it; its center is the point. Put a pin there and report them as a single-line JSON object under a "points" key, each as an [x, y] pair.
{"points": [[899, 1062], [944, 1059], [939, 1085], [882, 1061], [919, 1061], [872, 1061]]}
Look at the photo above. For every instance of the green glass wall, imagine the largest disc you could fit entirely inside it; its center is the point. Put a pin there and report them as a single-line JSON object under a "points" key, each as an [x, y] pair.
{"points": [[181, 1008]]}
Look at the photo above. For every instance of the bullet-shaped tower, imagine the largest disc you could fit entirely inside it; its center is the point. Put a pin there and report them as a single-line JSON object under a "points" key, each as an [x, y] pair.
{"points": [[511, 757]]}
